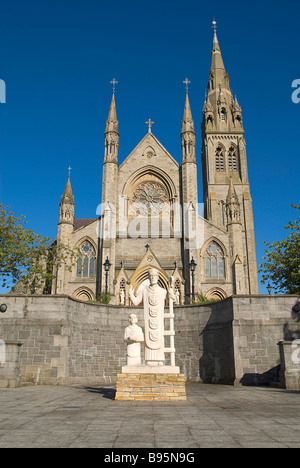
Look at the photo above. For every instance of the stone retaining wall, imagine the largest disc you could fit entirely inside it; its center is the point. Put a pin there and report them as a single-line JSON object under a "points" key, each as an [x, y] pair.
{"points": [[66, 341]]}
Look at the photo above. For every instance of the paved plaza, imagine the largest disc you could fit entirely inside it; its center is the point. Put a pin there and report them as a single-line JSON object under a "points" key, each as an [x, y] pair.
{"points": [[214, 416]]}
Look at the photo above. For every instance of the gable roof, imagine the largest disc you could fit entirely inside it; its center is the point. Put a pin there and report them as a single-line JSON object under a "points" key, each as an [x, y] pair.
{"points": [[79, 223], [151, 136]]}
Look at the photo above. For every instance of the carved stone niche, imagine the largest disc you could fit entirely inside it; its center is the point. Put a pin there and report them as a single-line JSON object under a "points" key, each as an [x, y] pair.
{"points": [[149, 153]]}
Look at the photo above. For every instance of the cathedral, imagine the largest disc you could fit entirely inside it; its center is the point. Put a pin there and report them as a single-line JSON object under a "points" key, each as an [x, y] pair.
{"points": [[151, 217]]}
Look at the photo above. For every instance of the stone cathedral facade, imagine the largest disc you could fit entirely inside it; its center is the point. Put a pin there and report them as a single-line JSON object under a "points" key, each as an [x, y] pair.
{"points": [[151, 215]]}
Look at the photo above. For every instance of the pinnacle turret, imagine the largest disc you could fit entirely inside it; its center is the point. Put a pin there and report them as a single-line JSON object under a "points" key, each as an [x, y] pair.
{"points": [[188, 122], [111, 142], [112, 124], [188, 135], [67, 205]]}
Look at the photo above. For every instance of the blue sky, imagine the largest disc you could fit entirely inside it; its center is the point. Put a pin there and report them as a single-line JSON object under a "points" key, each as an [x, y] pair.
{"points": [[58, 58]]}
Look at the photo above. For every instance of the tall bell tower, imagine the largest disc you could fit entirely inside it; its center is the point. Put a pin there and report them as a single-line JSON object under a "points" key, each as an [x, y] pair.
{"points": [[189, 191], [226, 189], [109, 195]]}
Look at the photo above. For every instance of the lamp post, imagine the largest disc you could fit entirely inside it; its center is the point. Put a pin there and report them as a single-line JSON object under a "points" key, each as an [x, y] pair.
{"points": [[107, 266], [3, 308], [269, 288], [193, 265]]}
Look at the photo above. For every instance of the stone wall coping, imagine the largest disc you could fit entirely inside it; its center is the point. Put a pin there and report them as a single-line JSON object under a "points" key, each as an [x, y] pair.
{"points": [[205, 304]]}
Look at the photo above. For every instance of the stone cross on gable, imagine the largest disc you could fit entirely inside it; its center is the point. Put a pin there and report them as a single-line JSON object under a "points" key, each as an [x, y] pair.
{"points": [[150, 123]]}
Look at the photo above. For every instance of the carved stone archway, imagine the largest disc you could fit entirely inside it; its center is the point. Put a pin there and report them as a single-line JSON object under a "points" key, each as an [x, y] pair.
{"points": [[84, 294]]}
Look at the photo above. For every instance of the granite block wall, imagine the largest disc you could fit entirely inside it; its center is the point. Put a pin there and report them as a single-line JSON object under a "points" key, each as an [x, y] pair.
{"points": [[66, 341]]}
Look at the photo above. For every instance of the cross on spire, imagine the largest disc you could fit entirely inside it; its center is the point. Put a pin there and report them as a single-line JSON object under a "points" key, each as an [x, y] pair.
{"points": [[114, 82], [150, 123], [69, 169], [187, 82], [214, 23]]}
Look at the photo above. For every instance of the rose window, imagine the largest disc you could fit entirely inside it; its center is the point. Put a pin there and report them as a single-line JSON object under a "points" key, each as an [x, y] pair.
{"points": [[149, 198]]}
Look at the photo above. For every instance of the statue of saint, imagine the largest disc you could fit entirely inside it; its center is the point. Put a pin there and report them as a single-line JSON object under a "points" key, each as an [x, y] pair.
{"points": [[153, 297], [122, 297], [134, 336]]}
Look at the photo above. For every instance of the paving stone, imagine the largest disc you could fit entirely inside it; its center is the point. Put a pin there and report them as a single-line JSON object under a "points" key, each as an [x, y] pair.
{"points": [[213, 416]]}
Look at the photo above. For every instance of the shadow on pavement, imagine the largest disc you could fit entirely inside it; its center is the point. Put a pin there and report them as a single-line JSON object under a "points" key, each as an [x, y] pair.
{"points": [[108, 393]]}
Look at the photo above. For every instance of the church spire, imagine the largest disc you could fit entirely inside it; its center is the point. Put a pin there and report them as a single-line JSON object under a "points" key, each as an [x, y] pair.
{"points": [[111, 136], [218, 75], [187, 123], [188, 135], [112, 124], [217, 60], [221, 113], [67, 204]]}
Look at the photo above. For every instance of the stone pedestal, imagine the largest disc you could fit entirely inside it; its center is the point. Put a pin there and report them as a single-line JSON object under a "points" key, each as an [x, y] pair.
{"points": [[151, 387], [290, 364], [10, 367]]}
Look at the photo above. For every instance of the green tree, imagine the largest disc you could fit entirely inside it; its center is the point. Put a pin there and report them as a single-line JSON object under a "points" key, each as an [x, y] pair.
{"points": [[28, 258], [282, 261]]}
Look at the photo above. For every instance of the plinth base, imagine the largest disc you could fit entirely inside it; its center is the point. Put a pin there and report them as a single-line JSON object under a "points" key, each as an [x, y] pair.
{"points": [[151, 387], [150, 370]]}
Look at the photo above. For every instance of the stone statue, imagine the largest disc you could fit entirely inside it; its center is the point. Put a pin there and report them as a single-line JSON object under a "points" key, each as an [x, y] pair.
{"points": [[134, 336], [177, 295], [122, 297], [154, 298]]}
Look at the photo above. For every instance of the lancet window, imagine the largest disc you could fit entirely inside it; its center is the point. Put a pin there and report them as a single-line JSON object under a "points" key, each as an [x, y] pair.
{"points": [[214, 262], [220, 159], [86, 261], [232, 159]]}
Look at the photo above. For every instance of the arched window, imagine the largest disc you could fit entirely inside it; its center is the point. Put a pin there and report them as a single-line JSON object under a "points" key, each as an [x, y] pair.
{"points": [[150, 198], [86, 261], [232, 159], [220, 159], [214, 262], [223, 114]]}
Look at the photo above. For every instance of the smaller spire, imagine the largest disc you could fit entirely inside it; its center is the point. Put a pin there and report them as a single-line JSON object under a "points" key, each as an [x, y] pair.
{"points": [[188, 122], [188, 135], [68, 196], [236, 106], [112, 124], [67, 204], [111, 135]]}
